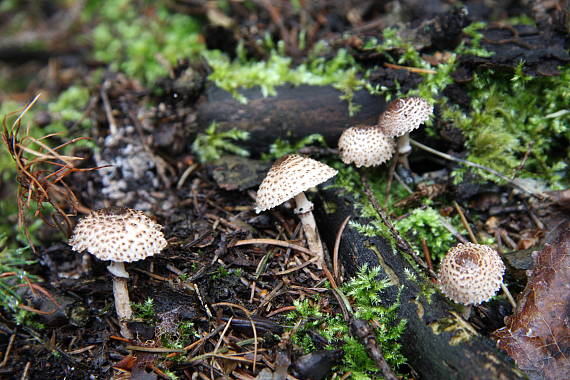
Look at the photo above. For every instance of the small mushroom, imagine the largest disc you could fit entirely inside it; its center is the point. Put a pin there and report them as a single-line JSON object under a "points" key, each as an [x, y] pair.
{"points": [[403, 116], [471, 273], [365, 146], [288, 178], [120, 235]]}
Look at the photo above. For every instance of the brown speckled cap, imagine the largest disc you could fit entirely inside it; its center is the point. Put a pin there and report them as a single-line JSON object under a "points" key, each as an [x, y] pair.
{"points": [[404, 115], [365, 146], [118, 234], [289, 176], [471, 273]]}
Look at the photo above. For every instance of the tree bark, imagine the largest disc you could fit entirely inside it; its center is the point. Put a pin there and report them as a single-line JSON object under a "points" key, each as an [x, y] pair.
{"points": [[438, 343]]}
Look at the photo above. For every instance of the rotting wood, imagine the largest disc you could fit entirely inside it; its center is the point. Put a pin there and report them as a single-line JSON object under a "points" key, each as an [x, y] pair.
{"points": [[293, 114], [436, 342]]}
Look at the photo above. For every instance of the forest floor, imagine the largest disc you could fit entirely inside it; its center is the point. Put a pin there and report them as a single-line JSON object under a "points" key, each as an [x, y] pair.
{"points": [[178, 110]]}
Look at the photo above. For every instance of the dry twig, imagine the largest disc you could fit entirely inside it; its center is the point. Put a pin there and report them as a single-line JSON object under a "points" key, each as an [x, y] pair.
{"points": [[336, 267], [400, 241]]}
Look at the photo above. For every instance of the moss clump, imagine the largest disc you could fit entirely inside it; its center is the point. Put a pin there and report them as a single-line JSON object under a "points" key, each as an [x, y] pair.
{"points": [[348, 181], [144, 311], [68, 111], [340, 72], [141, 39], [365, 292], [425, 224], [516, 116]]}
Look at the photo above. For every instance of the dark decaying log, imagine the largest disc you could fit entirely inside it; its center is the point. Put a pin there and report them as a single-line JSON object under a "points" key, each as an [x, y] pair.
{"points": [[293, 114], [437, 342]]}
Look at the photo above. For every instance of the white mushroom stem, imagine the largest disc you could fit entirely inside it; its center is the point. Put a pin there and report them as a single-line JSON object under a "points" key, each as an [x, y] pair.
{"points": [[404, 146], [404, 149], [122, 302], [121, 294], [304, 210], [117, 269]]}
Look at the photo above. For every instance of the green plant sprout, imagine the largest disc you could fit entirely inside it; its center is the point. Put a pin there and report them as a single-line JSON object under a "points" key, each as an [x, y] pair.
{"points": [[210, 145], [280, 147], [144, 310], [13, 276], [222, 272]]}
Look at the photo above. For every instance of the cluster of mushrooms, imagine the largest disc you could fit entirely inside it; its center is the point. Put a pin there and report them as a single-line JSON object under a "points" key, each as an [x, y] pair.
{"points": [[372, 145], [469, 274]]}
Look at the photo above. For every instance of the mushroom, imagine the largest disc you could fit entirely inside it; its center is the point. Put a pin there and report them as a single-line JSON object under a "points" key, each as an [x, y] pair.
{"points": [[471, 273], [288, 178], [120, 235], [365, 146], [403, 116]]}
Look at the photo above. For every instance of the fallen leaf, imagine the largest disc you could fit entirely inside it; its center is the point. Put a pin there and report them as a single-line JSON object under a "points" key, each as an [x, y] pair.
{"points": [[537, 336]]}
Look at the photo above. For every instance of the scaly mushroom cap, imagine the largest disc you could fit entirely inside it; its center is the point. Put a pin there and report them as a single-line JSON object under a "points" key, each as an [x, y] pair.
{"points": [[404, 115], [290, 175], [118, 234], [365, 146], [471, 273]]}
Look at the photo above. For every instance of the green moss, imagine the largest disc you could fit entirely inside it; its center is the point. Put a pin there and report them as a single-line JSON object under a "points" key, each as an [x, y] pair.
{"points": [[185, 333], [141, 39], [365, 293], [348, 182], [68, 111], [426, 224], [340, 72], [515, 114], [427, 289]]}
